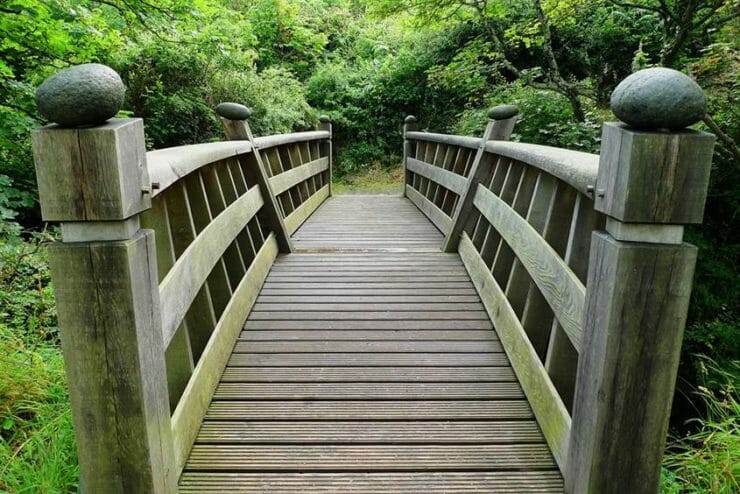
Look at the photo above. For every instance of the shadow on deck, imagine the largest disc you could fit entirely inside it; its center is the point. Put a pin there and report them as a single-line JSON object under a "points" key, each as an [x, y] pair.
{"points": [[369, 365]]}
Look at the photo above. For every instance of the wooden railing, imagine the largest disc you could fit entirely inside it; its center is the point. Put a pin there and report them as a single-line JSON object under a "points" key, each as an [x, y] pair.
{"points": [[162, 258], [591, 320]]}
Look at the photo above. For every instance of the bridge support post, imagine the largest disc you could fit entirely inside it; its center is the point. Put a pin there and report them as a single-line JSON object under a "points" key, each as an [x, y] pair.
{"points": [[502, 120], [327, 148], [234, 118], [650, 183], [95, 182], [409, 148]]}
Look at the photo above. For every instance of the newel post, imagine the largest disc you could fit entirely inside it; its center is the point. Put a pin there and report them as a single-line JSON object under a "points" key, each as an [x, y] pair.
{"points": [[236, 127], [409, 148], [651, 182], [501, 122], [94, 181], [327, 147]]}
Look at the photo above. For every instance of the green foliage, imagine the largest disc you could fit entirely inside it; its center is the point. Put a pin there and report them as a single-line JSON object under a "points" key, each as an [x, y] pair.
{"points": [[706, 461]]}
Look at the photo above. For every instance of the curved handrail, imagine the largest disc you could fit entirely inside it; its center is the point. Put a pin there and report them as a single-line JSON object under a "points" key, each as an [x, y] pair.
{"points": [[450, 140], [167, 166], [576, 168], [266, 142]]}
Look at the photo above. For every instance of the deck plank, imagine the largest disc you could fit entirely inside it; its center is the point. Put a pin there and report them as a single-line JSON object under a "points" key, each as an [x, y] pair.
{"points": [[369, 365]]}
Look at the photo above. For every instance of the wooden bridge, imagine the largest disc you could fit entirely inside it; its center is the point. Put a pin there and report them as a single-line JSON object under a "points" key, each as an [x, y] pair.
{"points": [[511, 324]]}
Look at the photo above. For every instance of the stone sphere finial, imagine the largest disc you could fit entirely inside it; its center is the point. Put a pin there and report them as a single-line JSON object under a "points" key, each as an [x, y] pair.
{"points": [[410, 119], [324, 119], [659, 98], [82, 95], [233, 111], [503, 112]]}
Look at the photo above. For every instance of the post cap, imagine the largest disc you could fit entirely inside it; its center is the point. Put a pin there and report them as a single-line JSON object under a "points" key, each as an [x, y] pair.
{"points": [[659, 98], [324, 119], [233, 111], [503, 112], [83, 95], [410, 119]]}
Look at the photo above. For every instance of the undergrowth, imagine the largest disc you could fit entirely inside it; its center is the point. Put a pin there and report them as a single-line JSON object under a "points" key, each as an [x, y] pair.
{"points": [[708, 459]]}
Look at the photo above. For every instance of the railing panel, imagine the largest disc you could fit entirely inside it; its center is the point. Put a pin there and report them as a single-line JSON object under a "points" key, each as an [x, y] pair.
{"points": [[284, 181]]}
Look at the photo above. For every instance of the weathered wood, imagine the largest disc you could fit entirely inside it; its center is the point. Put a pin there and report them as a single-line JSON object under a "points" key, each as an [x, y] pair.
{"points": [[93, 174], [549, 409], [653, 177], [636, 310], [559, 285], [267, 142], [167, 166], [255, 172], [286, 180], [445, 178], [187, 276], [435, 215], [194, 402], [374, 483], [460, 141], [326, 149], [367, 374], [295, 219], [107, 299]]}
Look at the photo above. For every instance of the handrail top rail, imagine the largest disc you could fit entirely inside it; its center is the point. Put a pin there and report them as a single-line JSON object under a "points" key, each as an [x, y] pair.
{"points": [[265, 142], [167, 166], [453, 140], [576, 168]]}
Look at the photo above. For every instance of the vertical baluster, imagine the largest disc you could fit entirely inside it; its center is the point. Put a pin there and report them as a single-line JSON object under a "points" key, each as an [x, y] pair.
{"points": [[325, 148], [285, 200], [286, 159], [493, 241], [446, 164], [243, 243], [457, 166], [200, 318]]}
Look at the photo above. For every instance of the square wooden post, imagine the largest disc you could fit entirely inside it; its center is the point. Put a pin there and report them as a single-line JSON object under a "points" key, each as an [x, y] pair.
{"points": [[236, 127], [94, 181], [649, 184], [327, 148], [409, 149], [502, 120]]}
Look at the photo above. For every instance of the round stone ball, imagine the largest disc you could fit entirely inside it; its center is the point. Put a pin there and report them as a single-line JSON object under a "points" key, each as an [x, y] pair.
{"points": [[233, 111], [410, 119], [503, 112], [324, 119], [659, 98], [82, 95]]}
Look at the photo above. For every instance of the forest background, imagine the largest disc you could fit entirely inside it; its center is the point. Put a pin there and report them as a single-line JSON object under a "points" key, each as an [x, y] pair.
{"points": [[367, 64]]}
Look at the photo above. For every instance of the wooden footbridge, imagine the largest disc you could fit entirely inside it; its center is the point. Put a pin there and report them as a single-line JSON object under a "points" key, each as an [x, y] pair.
{"points": [[512, 323]]}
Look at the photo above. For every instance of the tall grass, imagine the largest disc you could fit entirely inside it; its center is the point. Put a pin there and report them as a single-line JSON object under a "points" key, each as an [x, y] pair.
{"points": [[708, 460]]}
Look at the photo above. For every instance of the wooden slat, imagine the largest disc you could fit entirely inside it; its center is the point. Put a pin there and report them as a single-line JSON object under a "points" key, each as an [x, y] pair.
{"points": [[548, 407], [371, 410], [367, 359], [367, 374], [367, 315], [369, 307], [368, 391], [295, 219], [374, 483], [284, 181], [397, 324], [370, 432], [187, 276], [447, 179], [366, 346], [436, 215], [197, 395], [559, 285]]}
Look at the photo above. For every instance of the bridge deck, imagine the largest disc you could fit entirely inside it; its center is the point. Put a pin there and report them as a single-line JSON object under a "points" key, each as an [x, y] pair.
{"points": [[369, 372]]}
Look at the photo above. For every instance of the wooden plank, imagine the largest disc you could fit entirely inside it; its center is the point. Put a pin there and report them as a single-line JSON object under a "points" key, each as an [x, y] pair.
{"points": [[366, 346], [374, 483], [187, 276], [369, 457], [368, 307], [436, 215], [367, 374], [447, 179], [370, 324], [368, 391], [197, 395], [370, 432], [559, 285], [376, 335], [315, 298], [548, 407], [367, 359], [370, 410], [284, 181], [365, 315], [295, 219]]}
